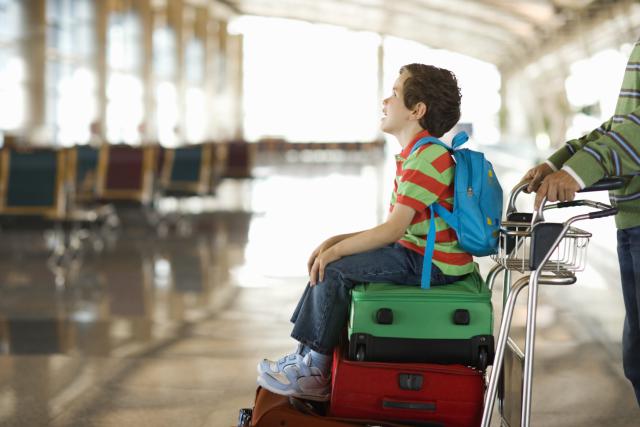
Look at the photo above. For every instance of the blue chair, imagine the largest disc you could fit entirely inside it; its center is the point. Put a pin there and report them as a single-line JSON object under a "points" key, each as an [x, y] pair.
{"points": [[186, 170], [32, 183], [82, 171], [34, 192], [83, 168]]}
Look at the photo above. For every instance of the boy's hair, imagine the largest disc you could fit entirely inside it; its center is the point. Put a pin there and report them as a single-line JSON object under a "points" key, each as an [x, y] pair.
{"points": [[438, 89]]}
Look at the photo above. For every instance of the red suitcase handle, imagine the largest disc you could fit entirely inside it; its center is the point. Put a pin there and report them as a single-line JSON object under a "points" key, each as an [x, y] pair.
{"points": [[416, 406]]}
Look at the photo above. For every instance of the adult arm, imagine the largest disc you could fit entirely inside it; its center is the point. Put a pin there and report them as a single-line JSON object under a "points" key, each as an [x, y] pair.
{"points": [[611, 152], [536, 174]]}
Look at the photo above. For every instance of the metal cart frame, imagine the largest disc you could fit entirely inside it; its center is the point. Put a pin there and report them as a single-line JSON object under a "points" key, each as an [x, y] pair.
{"points": [[547, 254]]}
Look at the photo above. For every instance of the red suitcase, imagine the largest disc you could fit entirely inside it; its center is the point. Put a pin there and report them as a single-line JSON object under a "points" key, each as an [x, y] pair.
{"points": [[423, 394]]}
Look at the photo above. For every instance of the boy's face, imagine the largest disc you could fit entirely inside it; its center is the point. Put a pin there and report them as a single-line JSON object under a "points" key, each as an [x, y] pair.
{"points": [[396, 115]]}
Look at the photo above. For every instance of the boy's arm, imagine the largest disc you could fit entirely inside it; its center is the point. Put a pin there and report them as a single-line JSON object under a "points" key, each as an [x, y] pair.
{"points": [[326, 245], [388, 232]]}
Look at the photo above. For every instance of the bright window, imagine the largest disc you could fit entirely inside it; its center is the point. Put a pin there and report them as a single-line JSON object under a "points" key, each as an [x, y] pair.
{"points": [[195, 101], [12, 89], [592, 89], [308, 82], [166, 94], [125, 104], [12, 67], [71, 91]]}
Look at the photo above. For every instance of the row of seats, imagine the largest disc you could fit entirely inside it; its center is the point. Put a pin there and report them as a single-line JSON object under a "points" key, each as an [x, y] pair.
{"points": [[83, 192], [57, 183]]}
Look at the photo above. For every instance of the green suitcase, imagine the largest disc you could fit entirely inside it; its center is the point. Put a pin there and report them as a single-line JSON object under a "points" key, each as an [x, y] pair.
{"points": [[449, 324]]}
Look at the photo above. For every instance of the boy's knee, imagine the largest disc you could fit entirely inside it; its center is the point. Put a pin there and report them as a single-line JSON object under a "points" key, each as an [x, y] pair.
{"points": [[334, 271]]}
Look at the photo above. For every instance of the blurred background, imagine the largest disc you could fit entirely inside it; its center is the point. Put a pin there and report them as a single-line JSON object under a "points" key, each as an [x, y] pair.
{"points": [[167, 167]]}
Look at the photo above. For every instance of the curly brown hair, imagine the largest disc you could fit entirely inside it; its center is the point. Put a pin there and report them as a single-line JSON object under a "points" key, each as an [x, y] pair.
{"points": [[438, 89]]}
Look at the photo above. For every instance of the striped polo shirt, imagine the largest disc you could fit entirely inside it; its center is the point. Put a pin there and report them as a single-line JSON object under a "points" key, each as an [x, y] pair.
{"points": [[612, 149], [422, 178]]}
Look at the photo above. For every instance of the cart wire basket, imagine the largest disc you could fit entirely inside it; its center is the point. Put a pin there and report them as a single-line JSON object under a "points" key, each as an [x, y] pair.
{"points": [[522, 247]]}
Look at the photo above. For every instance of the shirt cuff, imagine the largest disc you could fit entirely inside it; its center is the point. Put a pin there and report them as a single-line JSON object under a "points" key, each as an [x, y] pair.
{"points": [[551, 165], [584, 166]]}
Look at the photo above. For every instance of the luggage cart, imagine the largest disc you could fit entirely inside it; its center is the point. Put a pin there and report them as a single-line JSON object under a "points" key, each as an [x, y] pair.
{"points": [[545, 253]]}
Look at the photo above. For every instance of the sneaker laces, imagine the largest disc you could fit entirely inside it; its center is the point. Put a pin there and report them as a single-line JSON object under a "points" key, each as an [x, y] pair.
{"points": [[292, 357]]}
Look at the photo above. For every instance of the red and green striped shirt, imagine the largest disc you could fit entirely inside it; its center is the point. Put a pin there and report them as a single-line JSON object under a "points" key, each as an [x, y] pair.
{"points": [[422, 178]]}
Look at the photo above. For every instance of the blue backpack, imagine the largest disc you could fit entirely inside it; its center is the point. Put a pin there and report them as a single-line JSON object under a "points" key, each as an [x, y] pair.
{"points": [[477, 204]]}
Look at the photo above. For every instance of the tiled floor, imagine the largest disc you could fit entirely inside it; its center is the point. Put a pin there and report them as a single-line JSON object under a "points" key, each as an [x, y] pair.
{"points": [[166, 330]]}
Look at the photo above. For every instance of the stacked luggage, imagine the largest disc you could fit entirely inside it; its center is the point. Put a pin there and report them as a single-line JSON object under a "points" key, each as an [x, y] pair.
{"points": [[415, 355], [409, 357]]}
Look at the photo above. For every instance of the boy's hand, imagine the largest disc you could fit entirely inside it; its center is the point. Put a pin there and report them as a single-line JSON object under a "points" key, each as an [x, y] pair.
{"points": [[559, 186], [536, 175], [321, 261], [317, 251]]}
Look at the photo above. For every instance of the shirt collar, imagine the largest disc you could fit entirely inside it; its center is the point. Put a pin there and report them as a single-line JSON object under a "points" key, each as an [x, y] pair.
{"points": [[407, 150]]}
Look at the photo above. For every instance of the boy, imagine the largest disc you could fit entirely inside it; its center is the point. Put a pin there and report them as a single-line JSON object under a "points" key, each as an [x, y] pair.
{"points": [[425, 101]]}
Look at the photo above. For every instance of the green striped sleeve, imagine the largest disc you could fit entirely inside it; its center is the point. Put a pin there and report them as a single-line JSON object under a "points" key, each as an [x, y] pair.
{"points": [[573, 146], [614, 152]]}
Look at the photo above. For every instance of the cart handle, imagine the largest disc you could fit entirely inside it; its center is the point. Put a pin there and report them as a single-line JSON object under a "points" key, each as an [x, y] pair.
{"points": [[608, 183], [519, 188], [604, 210]]}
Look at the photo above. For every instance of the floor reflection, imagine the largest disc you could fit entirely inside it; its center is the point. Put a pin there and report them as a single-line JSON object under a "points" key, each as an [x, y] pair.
{"points": [[130, 292]]}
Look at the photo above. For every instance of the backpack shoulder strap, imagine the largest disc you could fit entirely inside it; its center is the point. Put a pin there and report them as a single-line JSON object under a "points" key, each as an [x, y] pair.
{"points": [[428, 140], [459, 140], [449, 218]]}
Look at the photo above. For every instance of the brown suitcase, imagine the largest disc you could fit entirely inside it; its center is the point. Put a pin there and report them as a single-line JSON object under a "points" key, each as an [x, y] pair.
{"points": [[272, 410]]}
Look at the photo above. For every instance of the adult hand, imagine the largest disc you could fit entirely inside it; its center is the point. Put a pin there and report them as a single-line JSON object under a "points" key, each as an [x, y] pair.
{"points": [[321, 261], [559, 186], [535, 175]]}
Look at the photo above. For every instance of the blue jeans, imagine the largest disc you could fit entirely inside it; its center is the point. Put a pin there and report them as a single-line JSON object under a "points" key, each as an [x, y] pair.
{"points": [[629, 257], [322, 311]]}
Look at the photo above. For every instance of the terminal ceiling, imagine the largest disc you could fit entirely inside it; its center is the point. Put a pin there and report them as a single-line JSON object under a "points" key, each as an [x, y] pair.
{"points": [[502, 32]]}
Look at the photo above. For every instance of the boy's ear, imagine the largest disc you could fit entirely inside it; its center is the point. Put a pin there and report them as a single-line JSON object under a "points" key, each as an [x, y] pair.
{"points": [[420, 110]]}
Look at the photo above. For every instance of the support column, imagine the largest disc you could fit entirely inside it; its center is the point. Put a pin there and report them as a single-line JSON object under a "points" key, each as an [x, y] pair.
{"points": [[146, 21], [210, 70], [175, 19], [235, 60], [34, 54], [101, 15]]}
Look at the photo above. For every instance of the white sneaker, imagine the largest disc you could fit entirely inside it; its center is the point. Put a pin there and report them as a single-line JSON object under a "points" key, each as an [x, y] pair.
{"points": [[273, 367], [293, 375]]}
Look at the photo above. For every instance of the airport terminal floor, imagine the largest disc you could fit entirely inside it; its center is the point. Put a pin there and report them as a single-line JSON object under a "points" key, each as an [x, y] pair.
{"points": [[164, 328]]}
